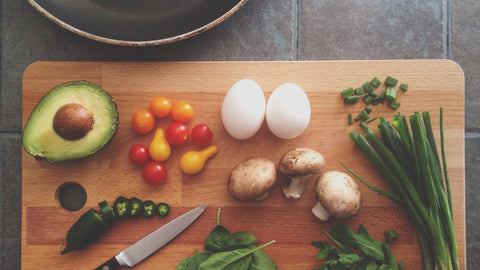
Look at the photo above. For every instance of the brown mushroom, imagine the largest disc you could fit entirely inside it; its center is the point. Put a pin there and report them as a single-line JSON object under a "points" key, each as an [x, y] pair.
{"points": [[338, 196], [252, 179], [299, 166]]}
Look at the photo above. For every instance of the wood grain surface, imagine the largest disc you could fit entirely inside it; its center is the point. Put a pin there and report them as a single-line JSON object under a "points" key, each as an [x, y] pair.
{"points": [[108, 174]]}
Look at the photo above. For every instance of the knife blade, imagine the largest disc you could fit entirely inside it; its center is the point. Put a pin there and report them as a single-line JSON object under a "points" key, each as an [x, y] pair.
{"points": [[152, 242]]}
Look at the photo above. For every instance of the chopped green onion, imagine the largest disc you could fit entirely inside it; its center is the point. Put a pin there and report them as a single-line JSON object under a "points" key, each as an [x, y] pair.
{"points": [[347, 92], [374, 94], [368, 99], [375, 82], [367, 87], [358, 91], [394, 105], [371, 120], [364, 115], [350, 119], [404, 87], [368, 109], [352, 99], [391, 94], [357, 118], [382, 95], [390, 81]]}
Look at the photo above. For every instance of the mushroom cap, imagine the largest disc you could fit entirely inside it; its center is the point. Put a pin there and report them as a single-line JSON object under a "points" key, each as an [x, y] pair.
{"points": [[301, 162], [252, 179], [339, 194]]}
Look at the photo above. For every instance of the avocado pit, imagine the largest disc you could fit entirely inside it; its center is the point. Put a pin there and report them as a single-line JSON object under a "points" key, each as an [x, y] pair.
{"points": [[72, 121]]}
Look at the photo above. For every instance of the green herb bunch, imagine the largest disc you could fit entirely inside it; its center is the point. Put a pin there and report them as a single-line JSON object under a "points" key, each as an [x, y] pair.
{"points": [[407, 159]]}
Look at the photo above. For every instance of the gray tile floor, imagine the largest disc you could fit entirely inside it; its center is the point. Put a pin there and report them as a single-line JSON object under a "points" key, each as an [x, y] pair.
{"points": [[261, 30]]}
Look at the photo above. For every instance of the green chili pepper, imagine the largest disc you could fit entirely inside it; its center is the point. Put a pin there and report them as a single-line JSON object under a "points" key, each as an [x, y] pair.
{"points": [[149, 209], [163, 209], [87, 228], [121, 207], [107, 212], [136, 207]]}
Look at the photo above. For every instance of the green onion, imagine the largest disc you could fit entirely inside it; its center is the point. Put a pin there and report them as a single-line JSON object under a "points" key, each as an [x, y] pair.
{"points": [[371, 120], [406, 157], [390, 81], [391, 94], [394, 105], [358, 91], [350, 119], [347, 92], [382, 95], [364, 115], [368, 109], [352, 99], [368, 99], [367, 87], [404, 87], [375, 82]]}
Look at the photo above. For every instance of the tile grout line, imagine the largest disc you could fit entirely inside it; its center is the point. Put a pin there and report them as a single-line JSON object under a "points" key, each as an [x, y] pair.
{"points": [[448, 28], [296, 35]]}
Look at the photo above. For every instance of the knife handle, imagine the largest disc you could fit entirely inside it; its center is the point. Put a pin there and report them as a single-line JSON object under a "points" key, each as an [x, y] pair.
{"points": [[111, 264]]}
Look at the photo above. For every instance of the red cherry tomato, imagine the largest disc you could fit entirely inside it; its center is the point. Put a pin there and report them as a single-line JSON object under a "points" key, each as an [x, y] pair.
{"points": [[154, 173], [138, 154], [201, 135], [177, 134]]}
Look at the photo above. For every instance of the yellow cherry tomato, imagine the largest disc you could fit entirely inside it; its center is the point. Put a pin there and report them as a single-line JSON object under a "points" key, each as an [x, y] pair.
{"points": [[159, 148], [192, 162]]}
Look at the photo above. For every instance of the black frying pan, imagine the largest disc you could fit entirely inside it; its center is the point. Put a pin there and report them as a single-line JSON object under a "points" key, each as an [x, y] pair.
{"points": [[137, 22]]}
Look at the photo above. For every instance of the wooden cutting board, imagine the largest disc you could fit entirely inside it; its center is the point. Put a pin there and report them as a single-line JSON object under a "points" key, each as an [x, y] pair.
{"points": [[108, 174]]}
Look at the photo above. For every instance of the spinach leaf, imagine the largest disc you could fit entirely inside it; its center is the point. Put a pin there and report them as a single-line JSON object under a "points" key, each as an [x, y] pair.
{"points": [[261, 261], [243, 239], [222, 260], [218, 239], [193, 262]]}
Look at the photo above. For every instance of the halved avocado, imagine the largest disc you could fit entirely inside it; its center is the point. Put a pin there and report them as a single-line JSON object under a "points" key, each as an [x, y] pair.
{"points": [[72, 121]]}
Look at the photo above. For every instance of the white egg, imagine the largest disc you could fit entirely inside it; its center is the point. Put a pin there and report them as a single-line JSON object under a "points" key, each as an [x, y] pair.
{"points": [[243, 109], [288, 111]]}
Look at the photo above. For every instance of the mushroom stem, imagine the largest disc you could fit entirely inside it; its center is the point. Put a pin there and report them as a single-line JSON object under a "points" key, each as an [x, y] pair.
{"points": [[295, 186], [320, 212]]}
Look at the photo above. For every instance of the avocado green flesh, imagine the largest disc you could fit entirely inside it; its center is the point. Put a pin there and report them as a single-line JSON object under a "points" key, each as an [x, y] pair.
{"points": [[41, 140]]}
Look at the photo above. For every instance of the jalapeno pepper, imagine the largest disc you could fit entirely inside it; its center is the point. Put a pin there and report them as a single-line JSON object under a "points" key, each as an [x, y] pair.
{"points": [[121, 207], [149, 209], [87, 228], [93, 223], [136, 207], [107, 212], [163, 209]]}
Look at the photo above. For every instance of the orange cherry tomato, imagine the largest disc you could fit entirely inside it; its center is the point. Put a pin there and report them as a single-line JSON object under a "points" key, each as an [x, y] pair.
{"points": [[182, 111], [143, 121], [160, 107]]}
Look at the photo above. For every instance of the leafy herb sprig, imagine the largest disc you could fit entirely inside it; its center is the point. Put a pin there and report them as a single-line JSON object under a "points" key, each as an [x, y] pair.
{"points": [[356, 251]]}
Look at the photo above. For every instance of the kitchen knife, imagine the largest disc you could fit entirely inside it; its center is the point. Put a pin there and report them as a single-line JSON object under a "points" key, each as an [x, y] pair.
{"points": [[152, 242]]}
